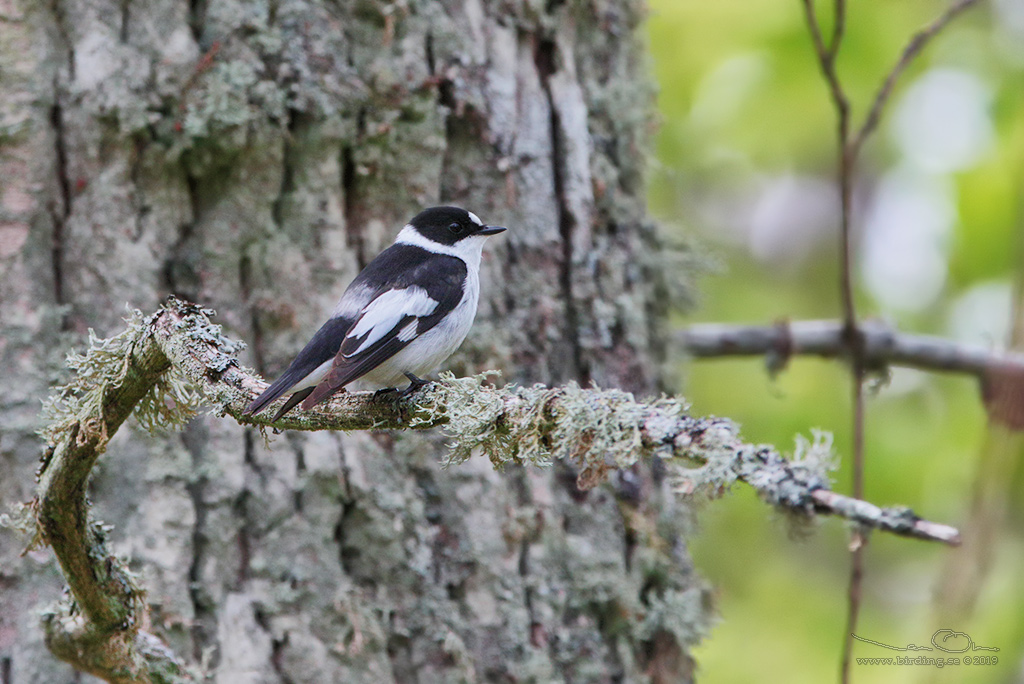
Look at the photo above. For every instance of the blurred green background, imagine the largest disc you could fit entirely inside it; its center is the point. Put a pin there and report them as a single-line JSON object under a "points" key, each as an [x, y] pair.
{"points": [[745, 162]]}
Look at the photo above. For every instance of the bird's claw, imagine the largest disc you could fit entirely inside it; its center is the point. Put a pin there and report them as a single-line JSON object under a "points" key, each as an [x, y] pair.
{"points": [[415, 385], [395, 394], [385, 392]]}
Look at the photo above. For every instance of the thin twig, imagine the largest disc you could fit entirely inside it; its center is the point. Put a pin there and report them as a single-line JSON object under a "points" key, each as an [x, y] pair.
{"points": [[849, 150], [901, 519], [858, 539], [844, 178], [826, 55], [916, 44], [838, 27]]}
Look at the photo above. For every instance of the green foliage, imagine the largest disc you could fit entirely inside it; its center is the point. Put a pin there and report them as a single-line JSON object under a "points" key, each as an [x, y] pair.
{"points": [[743, 101]]}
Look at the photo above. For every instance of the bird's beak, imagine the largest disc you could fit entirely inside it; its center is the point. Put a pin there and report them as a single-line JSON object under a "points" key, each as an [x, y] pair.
{"points": [[491, 230]]}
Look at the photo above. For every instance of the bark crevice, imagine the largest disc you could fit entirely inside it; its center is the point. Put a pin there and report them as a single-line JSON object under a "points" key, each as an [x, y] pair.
{"points": [[203, 616], [349, 183], [545, 57], [61, 209]]}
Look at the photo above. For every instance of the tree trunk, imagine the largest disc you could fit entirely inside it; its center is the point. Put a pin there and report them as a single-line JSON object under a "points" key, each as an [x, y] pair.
{"points": [[252, 157]]}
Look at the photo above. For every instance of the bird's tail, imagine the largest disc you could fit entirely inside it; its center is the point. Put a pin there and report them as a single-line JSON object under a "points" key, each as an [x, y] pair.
{"points": [[291, 403], [276, 389]]}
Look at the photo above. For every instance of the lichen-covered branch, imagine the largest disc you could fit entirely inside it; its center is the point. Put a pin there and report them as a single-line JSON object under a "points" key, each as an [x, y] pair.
{"points": [[98, 630], [900, 521], [882, 346], [166, 366]]}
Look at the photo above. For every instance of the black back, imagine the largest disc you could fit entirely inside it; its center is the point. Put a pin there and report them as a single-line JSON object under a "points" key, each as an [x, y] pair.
{"points": [[401, 266], [442, 276]]}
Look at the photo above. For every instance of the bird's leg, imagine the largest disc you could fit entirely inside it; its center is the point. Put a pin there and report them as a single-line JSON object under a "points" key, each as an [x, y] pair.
{"points": [[394, 394], [415, 384]]}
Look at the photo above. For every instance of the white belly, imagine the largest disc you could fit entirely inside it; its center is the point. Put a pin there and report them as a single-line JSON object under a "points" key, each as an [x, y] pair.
{"points": [[432, 348], [422, 355]]}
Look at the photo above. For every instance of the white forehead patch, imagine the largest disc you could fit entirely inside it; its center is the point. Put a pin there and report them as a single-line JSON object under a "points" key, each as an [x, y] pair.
{"points": [[474, 218]]}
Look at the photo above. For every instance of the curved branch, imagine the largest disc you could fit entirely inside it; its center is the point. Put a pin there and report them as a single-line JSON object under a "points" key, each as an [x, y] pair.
{"points": [[599, 430], [98, 631]]}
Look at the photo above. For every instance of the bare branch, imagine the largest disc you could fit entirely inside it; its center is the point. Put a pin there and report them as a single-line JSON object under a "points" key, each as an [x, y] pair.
{"points": [[900, 521], [883, 346], [827, 55], [916, 44], [847, 160], [849, 150], [838, 27]]}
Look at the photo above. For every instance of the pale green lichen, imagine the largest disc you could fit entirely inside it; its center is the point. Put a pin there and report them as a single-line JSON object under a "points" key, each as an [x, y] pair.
{"points": [[223, 354], [21, 519], [815, 454], [605, 430], [169, 403], [229, 96], [599, 430], [784, 483], [683, 613]]}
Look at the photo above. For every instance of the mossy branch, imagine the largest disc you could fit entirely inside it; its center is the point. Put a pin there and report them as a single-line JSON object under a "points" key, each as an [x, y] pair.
{"points": [[98, 629], [165, 367]]}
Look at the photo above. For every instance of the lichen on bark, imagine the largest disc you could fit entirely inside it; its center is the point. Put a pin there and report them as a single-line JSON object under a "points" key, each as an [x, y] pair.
{"points": [[253, 156]]}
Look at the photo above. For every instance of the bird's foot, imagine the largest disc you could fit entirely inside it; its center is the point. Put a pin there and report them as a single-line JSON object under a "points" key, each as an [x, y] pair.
{"points": [[386, 392], [415, 385]]}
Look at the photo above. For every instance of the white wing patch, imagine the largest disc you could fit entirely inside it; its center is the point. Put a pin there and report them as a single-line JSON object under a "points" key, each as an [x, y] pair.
{"points": [[380, 316], [409, 331]]}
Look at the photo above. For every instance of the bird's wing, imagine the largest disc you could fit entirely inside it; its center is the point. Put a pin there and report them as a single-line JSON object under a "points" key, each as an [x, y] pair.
{"points": [[416, 299], [322, 347], [320, 350]]}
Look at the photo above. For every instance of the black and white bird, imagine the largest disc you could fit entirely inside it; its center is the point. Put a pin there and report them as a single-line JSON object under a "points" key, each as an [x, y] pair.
{"points": [[403, 315]]}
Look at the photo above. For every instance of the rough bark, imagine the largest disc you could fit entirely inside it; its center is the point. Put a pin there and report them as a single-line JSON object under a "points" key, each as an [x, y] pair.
{"points": [[252, 156]]}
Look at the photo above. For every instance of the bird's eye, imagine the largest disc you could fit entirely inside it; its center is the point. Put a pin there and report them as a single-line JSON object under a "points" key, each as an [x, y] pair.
{"points": [[455, 228]]}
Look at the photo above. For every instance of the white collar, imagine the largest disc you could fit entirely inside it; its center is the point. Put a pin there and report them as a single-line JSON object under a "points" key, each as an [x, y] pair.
{"points": [[468, 249]]}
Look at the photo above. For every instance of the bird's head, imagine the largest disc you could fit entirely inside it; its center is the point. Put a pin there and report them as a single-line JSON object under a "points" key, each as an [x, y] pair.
{"points": [[451, 225]]}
